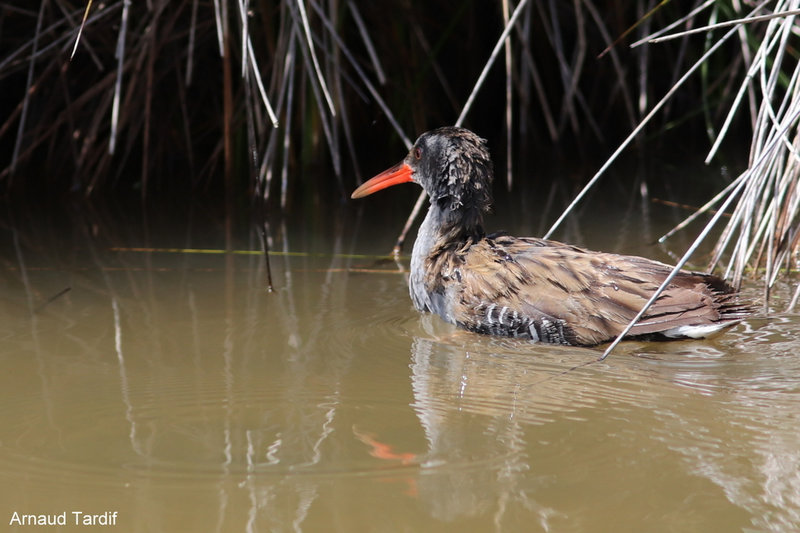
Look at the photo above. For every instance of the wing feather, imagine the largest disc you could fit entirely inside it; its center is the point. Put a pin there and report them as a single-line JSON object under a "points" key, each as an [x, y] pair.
{"points": [[560, 293]]}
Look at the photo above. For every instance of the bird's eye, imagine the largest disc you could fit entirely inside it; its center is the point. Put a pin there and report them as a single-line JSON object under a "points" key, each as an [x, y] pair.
{"points": [[418, 152]]}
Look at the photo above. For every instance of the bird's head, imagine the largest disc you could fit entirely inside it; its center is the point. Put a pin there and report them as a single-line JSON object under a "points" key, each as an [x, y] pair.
{"points": [[451, 164]]}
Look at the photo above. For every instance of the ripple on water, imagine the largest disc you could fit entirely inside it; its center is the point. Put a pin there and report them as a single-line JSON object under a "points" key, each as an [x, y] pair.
{"points": [[188, 431], [390, 332], [510, 378], [539, 382]]}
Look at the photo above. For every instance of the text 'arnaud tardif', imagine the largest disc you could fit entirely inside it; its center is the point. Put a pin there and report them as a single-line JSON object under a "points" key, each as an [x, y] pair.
{"points": [[77, 518]]}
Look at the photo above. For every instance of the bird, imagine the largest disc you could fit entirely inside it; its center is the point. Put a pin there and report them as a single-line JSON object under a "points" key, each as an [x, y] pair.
{"points": [[528, 287]]}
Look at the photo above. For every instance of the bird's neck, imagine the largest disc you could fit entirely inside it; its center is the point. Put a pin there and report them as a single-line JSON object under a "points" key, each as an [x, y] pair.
{"points": [[443, 229], [445, 226]]}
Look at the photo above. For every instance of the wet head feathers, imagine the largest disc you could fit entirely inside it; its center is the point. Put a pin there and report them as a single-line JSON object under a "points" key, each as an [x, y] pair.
{"points": [[455, 168]]}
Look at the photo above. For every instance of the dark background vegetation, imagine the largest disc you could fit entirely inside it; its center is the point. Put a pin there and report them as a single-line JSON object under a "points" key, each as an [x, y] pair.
{"points": [[171, 133]]}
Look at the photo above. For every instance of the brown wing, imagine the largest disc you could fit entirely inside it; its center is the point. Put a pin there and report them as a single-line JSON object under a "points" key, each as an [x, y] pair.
{"points": [[559, 293]]}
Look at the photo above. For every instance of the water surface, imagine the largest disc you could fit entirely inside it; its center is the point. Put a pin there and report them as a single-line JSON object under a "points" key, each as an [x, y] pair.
{"points": [[143, 377]]}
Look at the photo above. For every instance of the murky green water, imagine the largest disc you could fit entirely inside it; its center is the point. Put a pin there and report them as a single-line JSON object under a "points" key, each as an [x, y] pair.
{"points": [[171, 389]]}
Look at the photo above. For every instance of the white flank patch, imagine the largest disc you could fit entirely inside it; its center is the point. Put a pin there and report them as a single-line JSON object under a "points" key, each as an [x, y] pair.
{"points": [[696, 332]]}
